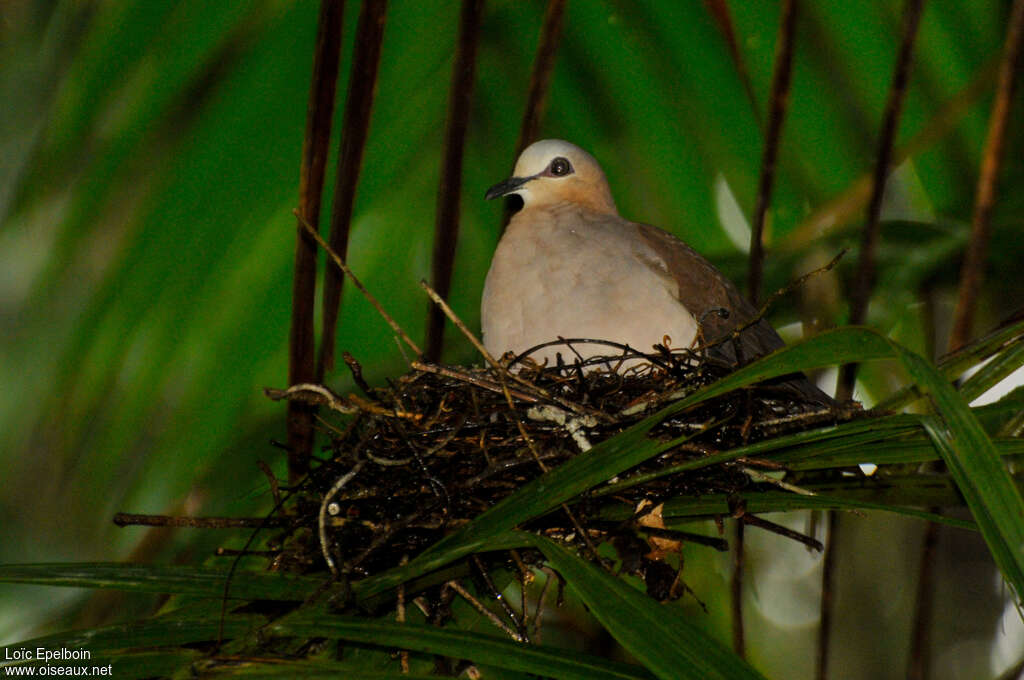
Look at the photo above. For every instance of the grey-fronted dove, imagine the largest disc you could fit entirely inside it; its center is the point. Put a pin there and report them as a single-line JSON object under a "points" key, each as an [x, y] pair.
{"points": [[569, 266]]}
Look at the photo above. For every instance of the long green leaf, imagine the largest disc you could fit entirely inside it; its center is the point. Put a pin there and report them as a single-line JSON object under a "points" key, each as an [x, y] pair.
{"points": [[980, 473], [796, 446], [258, 668], [917, 450], [164, 631], [953, 365], [477, 647], [661, 636], [1002, 364], [888, 494], [164, 579]]}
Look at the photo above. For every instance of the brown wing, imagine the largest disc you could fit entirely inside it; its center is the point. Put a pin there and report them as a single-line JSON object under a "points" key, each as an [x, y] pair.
{"points": [[704, 291]]}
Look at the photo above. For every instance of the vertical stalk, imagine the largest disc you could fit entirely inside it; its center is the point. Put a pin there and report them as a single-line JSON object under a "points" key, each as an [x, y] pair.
{"points": [[781, 79], [358, 105], [540, 78], [446, 225], [864, 278], [973, 270], [320, 110]]}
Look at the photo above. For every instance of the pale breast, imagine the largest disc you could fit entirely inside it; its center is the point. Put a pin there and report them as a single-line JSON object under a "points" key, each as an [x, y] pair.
{"points": [[573, 274]]}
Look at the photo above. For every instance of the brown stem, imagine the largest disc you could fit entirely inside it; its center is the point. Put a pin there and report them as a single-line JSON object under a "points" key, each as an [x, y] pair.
{"points": [[358, 105], [837, 211], [446, 226], [863, 282], [738, 637], [320, 110], [125, 519], [973, 271], [767, 525], [781, 79], [920, 646], [540, 77], [719, 10], [828, 573], [343, 270]]}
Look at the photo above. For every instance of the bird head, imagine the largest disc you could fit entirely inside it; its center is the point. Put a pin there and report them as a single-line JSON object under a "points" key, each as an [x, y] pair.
{"points": [[554, 171]]}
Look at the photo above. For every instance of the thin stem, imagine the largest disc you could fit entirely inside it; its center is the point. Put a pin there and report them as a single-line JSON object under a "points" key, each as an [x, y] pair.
{"points": [[863, 282], [125, 519], [540, 78], [738, 637], [828, 573], [918, 667], [446, 226], [319, 112], [343, 268], [973, 271], [781, 79], [358, 105]]}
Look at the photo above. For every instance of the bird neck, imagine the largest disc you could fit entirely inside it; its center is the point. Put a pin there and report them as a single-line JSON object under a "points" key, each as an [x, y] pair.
{"points": [[596, 204]]}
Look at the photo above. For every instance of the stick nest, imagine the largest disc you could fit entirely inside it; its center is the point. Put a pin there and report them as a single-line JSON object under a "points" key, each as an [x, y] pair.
{"points": [[438, 446]]}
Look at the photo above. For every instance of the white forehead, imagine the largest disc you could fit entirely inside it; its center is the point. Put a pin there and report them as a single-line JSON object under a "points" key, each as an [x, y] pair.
{"points": [[536, 157]]}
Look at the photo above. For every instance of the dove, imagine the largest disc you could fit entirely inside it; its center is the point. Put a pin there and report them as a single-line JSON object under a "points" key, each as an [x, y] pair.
{"points": [[569, 266]]}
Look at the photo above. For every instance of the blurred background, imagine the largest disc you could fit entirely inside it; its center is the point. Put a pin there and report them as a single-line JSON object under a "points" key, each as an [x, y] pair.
{"points": [[149, 166]]}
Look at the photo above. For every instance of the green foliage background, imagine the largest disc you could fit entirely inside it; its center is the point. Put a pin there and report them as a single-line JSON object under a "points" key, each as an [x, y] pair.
{"points": [[148, 168]]}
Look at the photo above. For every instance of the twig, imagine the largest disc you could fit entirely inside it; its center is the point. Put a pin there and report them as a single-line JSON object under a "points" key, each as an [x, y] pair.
{"points": [[519, 621], [973, 271], [626, 352], [326, 507], [446, 225], [525, 579], [301, 345], [235, 552], [781, 79], [358, 104], [310, 393], [537, 619], [125, 519], [340, 264], [318, 394], [477, 605], [785, 290], [400, 617], [453, 317], [275, 487], [467, 377], [357, 373], [759, 476], [762, 523], [501, 370], [719, 544], [863, 283]]}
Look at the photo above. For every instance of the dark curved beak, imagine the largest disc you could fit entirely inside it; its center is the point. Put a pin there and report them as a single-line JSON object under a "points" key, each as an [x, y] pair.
{"points": [[506, 187]]}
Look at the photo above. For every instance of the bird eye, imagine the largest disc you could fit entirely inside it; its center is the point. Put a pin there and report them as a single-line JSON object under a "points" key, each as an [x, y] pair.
{"points": [[560, 167]]}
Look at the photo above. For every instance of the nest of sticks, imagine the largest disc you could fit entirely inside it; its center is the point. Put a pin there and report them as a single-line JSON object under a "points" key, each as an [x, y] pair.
{"points": [[438, 446]]}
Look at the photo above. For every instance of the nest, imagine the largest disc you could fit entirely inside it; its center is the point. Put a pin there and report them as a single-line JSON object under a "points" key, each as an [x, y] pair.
{"points": [[438, 446]]}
